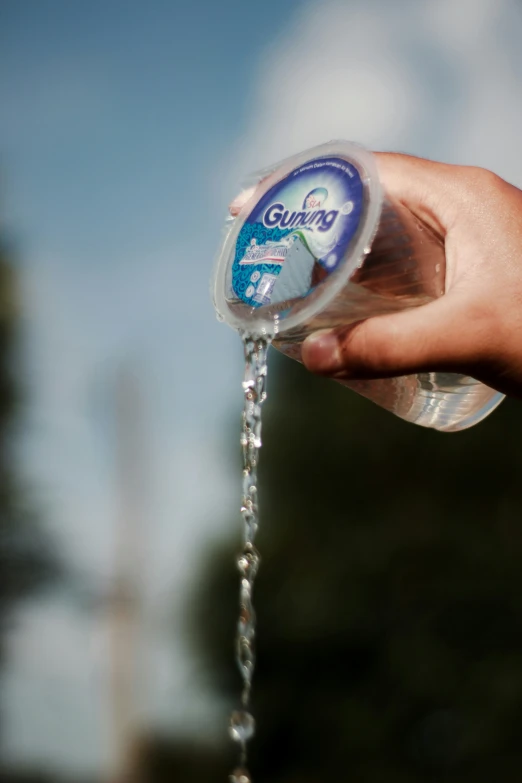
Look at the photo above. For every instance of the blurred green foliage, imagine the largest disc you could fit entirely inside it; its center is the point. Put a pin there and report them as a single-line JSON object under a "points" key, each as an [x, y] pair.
{"points": [[389, 599], [28, 559]]}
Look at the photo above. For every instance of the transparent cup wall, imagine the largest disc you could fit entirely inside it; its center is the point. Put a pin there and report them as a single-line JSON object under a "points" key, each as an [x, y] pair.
{"points": [[393, 262]]}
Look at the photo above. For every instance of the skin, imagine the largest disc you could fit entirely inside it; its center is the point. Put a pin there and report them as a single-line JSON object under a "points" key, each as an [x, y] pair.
{"points": [[476, 327]]}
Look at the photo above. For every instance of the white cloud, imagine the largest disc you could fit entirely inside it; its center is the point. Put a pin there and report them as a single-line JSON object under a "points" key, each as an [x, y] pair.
{"points": [[81, 331], [433, 78], [463, 25], [55, 696]]}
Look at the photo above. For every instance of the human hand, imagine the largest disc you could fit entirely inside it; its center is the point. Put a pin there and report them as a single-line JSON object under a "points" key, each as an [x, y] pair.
{"points": [[476, 327]]}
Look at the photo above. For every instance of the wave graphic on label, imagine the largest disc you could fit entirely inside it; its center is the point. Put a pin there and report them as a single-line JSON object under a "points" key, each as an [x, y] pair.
{"points": [[296, 267], [316, 245]]}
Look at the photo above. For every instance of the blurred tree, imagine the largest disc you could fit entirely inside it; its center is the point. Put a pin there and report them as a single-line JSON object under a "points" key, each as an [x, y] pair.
{"points": [[28, 559], [28, 562], [389, 599], [164, 760], [36, 776]]}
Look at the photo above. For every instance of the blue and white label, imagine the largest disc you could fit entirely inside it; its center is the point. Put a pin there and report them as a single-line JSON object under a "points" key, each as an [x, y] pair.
{"points": [[298, 232]]}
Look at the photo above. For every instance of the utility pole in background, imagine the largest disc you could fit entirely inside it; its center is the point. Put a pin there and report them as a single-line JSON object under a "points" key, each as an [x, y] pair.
{"points": [[126, 595]]}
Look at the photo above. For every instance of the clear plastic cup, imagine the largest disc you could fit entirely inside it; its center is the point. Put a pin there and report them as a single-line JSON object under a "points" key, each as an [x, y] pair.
{"points": [[320, 244]]}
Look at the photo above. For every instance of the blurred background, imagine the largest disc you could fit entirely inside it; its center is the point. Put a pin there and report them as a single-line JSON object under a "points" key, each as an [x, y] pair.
{"points": [[390, 597]]}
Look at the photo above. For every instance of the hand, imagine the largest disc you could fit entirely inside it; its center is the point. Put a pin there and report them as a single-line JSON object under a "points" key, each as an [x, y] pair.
{"points": [[476, 327]]}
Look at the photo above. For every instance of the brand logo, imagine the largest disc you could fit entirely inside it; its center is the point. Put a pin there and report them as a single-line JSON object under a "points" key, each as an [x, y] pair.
{"points": [[312, 215], [315, 198]]}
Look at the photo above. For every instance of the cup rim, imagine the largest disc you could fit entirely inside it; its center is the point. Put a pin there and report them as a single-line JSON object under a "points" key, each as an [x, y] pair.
{"points": [[365, 163]]}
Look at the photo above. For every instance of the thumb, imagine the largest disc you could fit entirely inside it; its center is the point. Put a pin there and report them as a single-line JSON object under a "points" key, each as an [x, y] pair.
{"points": [[436, 336]]}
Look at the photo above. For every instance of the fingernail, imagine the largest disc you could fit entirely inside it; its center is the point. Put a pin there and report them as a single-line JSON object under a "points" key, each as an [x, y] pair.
{"points": [[321, 352], [239, 202]]}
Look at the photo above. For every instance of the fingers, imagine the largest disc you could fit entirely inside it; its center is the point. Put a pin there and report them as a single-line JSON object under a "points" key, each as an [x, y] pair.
{"points": [[432, 191], [239, 202], [436, 336]]}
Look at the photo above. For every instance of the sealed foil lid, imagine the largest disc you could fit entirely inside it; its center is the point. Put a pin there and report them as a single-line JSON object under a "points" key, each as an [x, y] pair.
{"points": [[298, 238]]}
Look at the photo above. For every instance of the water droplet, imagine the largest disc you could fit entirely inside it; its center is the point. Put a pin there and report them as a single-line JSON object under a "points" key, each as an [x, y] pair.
{"points": [[242, 726], [248, 486], [240, 776], [250, 520], [246, 658], [247, 620], [248, 563]]}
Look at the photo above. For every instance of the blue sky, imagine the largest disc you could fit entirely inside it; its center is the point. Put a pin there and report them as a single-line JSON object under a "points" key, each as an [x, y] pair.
{"points": [[117, 118], [125, 128]]}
